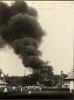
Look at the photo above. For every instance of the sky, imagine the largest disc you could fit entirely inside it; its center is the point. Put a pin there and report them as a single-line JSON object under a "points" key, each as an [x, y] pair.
{"points": [[57, 19]]}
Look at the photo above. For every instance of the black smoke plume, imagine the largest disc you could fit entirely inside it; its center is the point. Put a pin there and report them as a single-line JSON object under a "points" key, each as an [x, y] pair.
{"points": [[20, 29]]}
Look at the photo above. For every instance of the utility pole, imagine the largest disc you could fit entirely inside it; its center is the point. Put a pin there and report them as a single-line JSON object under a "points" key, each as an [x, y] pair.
{"points": [[73, 66], [73, 77], [62, 78], [73, 62]]}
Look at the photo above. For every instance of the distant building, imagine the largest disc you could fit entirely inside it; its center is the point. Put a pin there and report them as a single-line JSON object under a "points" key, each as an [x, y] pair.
{"points": [[3, 83], [70, 80]]}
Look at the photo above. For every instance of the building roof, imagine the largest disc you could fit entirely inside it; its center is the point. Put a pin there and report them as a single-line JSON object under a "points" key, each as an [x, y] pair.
{"points": [[70, 76], [3, 82]]}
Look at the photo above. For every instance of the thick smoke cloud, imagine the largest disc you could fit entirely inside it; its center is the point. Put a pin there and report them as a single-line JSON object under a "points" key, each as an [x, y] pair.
{"points": [[21, 25], [4, 13], [20, 29], [2, 43]]}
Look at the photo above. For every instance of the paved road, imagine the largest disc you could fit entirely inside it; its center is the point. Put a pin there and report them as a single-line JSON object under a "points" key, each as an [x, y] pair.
{"points": [[50, 97]]}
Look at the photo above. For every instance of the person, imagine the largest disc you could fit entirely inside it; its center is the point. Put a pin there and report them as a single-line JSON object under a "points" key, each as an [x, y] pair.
{"points": [[13, 87], [29, 92], [5, 90], [21, 89]]}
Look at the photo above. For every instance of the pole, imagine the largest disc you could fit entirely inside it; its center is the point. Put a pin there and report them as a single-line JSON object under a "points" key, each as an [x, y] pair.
{"points": [[73, 66], [61, 80], [73, 77], [73, 63]]}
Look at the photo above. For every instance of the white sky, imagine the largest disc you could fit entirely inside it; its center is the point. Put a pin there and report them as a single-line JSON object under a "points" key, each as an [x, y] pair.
{"points": [[57, 47]]}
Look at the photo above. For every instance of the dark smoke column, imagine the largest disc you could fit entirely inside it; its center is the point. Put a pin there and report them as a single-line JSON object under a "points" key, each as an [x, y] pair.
{"points": [[20, 29]]}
